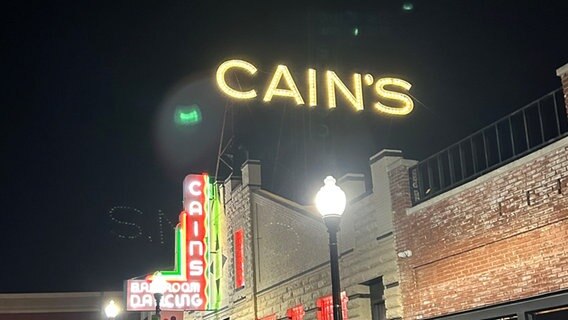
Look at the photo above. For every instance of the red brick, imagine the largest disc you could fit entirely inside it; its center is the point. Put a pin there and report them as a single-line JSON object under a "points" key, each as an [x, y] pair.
{"points": [[485, 245]]}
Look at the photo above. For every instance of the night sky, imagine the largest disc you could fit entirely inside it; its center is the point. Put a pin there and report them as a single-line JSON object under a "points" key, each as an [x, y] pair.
{"points": [[90, 89]]}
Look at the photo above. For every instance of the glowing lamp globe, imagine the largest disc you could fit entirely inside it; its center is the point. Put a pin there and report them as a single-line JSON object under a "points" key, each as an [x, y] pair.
{"points": [[330, 199], [112, 310], [159, 284]]}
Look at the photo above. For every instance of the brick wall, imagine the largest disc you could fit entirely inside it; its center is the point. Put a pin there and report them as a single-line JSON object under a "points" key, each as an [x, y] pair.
{"points": [[499, 238]]}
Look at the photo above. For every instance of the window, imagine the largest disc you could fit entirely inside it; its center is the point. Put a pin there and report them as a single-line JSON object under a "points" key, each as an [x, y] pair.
{"points": [[378, 309], [547, 307], [560, 313]]}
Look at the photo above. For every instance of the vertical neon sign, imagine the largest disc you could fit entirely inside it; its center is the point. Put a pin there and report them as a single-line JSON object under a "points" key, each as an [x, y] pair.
{"points": [[195, 200], [195, 281]]}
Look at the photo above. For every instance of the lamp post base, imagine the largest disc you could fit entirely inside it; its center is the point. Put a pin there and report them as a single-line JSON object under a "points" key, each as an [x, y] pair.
{"points": [[158, 297]]}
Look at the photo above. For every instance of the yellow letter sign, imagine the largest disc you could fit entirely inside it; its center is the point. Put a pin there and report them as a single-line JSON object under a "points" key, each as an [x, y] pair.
{"points": [[391, 90]]}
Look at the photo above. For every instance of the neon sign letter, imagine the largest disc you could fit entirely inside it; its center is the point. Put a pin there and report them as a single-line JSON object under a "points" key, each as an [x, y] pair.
{"points": [[273, 90], [222, 83], [407, 103], [355, 100]]}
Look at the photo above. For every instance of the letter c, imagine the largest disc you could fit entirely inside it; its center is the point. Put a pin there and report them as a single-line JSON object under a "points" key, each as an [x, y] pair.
{"points": [[192, 189], [241, 64]]}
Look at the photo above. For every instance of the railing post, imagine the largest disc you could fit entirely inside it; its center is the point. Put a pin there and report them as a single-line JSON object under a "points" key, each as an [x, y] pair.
{"points": [[451, 164], [526, 129], [485, 149], [557, 117], [440, 171], [512, 136], [498, 141]]}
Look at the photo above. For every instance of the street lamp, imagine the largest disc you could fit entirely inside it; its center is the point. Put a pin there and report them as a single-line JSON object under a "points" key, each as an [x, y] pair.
{"points": [[111, 310], [330, 202], [158, 287]]}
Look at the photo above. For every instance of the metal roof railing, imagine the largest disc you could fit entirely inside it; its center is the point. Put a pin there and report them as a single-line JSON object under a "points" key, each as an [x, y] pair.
{"points": [[533, 126]]}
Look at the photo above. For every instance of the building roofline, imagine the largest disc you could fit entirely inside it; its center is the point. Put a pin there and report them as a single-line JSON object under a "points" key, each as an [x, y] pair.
{"points": [[562, 70]]}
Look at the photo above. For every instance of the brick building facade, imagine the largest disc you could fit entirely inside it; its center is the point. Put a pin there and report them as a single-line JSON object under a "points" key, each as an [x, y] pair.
{"points": [[493, 248], [497, 239]]}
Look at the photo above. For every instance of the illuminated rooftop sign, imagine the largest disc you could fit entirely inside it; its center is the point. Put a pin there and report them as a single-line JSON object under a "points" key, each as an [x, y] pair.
{"points": [[194, 283], [391, 93]]}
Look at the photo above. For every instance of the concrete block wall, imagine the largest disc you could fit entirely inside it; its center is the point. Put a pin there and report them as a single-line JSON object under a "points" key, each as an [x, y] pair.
{"points": [[496, 239], [368, 260], [286, 249], [288, 239]]}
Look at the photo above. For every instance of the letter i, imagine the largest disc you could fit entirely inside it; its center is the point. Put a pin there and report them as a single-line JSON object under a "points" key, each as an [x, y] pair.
{"points": [[312, 88]]}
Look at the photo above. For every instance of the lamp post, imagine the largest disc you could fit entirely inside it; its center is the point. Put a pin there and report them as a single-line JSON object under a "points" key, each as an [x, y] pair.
{"points": [[330, 202], [111, 310], [158, 287]]}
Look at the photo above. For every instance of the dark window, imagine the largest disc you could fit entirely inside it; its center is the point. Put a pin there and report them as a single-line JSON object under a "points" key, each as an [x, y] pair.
{"points": [[378, 310], [549, 307], [560, 313]]}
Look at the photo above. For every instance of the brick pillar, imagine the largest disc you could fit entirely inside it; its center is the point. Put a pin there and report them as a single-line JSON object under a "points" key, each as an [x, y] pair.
{"points": [[238, 212], [231, 184], [379, 173], [562, 72], [399, 185], [251, 173]]}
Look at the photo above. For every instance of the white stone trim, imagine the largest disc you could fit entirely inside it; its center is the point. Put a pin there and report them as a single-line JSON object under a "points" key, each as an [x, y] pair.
{"points": [[562, 70], [13, 303]]}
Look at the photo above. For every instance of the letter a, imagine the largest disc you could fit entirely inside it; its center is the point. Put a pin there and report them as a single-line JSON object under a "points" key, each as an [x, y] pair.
{"points": [[292, 92]]}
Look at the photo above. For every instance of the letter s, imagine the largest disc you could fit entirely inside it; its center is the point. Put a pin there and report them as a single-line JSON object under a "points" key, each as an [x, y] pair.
{"points": [[195, 268], [222, 83], [403, 99], [134, 234]]}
